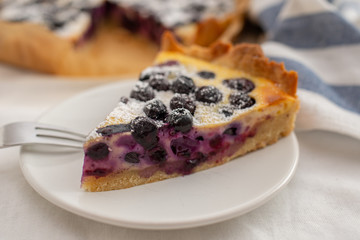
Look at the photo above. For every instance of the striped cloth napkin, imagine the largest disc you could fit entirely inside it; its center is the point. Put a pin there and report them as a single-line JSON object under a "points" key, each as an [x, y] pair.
{"points": [[321, 41]]}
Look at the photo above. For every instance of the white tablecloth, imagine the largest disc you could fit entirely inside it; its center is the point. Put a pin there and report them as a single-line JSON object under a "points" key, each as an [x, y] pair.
{"points": [[321, 202]]}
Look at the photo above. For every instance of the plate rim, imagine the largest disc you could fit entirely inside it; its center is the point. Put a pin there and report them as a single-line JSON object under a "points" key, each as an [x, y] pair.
{"points": [[208, 219]]}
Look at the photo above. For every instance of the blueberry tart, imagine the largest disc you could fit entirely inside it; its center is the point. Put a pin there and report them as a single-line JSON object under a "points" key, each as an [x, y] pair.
{"points": [[195, 121], [90, 37]]}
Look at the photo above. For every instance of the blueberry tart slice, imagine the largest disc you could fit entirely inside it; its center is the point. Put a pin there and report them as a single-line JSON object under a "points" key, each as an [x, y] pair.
{"points": [[194, 109]]}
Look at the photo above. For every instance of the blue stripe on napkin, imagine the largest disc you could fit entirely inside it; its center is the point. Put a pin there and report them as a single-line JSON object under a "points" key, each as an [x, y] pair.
{"points": [[315, 31], [267, 18], [347, 97]]}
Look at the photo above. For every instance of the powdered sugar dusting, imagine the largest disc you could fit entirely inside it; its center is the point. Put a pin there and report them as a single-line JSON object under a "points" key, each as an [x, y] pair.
{"points": [[205, 114], [171, 72], [176, 13], [63, 16], [68, 19], [75, 28]]}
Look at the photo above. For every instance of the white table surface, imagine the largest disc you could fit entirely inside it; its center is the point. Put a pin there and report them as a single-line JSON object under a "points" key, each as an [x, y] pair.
{"points": [[321, 202]]}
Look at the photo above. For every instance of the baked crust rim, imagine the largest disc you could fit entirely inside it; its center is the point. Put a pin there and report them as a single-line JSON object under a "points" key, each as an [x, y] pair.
{"points": [[245, 57]]}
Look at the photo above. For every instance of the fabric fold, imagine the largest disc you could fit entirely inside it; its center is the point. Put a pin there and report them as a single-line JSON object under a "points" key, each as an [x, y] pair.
{"points": [[316, 39]]}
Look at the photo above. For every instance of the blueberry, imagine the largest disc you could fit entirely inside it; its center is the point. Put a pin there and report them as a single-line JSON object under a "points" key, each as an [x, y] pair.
{"points": [[182, 101], [183, 146], [189, 164], [200, 138], [56, 25], [197, 7], [241, 84], [180, 119], [112, 129], [124, 100], [145, 75], [230, 131], [241, 100], [144, 131], [168, 63], [195, 19], [157, 155], [132, 157], [156, 110], [208, 94], [159, 82], [99, 172], [142, 92], [183, 84], [206, 74], [216, 142], [227, 111], [98, 151]]}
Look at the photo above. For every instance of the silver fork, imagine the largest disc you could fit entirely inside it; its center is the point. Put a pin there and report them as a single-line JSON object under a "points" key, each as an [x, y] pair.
{"points": [[25, 133]]}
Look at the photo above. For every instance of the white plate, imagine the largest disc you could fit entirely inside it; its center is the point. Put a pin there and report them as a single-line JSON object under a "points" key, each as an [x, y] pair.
{"points": [[199, 199]]}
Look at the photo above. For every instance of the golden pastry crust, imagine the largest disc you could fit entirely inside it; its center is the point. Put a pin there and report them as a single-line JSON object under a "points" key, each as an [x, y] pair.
{"points": [[31, 46], [210, 30], [104, 55], [245, 57], [111, 52]]}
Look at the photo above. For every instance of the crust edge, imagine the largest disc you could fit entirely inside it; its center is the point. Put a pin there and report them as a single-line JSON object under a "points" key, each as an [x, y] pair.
{"points": [[245, 57], [212, 29], [35, 52]]}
